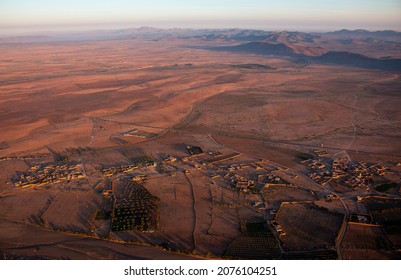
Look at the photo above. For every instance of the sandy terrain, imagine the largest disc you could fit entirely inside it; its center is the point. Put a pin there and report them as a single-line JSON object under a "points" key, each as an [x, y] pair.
{"points": [[103, 104], [27, 241]]}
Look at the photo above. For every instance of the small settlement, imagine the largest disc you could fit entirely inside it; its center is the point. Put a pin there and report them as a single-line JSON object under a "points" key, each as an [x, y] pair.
{"points": [[351, 173], [39, 176]]}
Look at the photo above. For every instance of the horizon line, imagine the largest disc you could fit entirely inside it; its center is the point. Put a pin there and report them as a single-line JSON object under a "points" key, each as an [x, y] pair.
{"points": [[107, 29]]}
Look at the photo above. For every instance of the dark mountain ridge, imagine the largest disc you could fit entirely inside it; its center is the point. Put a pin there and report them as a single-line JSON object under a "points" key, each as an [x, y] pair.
{"points": [[357, 60], [332, 57], [258, 48]]}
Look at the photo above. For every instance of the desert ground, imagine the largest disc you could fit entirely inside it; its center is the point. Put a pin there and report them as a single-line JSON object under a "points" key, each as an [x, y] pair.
{"points": [[225, 150]]}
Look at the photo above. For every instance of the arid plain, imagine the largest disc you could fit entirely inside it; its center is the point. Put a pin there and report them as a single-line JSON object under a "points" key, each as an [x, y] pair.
{"points": [[168, 145]]}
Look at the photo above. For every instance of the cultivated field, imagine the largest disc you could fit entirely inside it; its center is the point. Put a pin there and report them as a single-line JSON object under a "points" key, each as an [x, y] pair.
{"points": [[363, 242], [307, 227]]}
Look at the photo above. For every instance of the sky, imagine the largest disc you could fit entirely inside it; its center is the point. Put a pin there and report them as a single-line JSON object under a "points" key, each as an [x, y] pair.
{"points": [[19, 16]]}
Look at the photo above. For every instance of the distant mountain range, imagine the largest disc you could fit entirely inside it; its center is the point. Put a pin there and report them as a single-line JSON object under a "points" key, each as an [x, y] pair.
{"points": [[335, 48], [234, 34], [384, 33], [360, 48]]}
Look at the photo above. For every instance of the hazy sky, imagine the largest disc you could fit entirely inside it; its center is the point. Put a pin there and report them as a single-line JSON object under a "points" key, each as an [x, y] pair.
{"points": [[38, 15]]}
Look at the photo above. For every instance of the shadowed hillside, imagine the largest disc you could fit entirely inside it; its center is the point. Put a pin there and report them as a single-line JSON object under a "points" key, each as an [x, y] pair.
{"points": [[334, 58]]}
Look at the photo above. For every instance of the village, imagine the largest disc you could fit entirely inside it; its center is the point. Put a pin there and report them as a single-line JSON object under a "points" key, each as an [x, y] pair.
{"points": [[245, 177], [234, 170], [352, 173], [114, 170], [39, 176], [266, 191], [224, 168]]}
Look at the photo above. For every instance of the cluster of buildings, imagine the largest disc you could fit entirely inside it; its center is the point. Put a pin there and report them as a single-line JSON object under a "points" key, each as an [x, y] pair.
{"points": [[131, 132], [320, 166], [357, 173], [108, 172], [272, 180], [21, 157], [260, 176], [138, 133], [242, 183], [39, 176], [351, 173], [277, 227], [240, 166], [321, 178], [244, 176], [169, 158]]}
